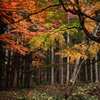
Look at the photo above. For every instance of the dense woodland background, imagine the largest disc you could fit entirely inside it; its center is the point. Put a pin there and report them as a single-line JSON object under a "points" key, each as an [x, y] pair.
{"points": [[17, 70], [49, 42]]}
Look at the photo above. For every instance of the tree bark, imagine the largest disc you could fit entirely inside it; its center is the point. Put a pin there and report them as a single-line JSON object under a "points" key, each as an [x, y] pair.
{"points": [[68, 74], [96, 69], [73, 78], [68, 69], [38, 77], [86, 72], [91, 71], [61, 70], [52, 68], [16, 59], [8, 67], [1, 62]]}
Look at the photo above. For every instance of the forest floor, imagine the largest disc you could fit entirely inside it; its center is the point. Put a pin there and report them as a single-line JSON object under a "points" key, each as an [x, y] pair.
{"points": [[80, 92]]}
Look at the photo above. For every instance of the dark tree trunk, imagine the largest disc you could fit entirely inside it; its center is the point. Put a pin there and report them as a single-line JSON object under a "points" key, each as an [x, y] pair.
{"points": [[2, 27], [28, 61], [38, 77], [16, 63], [1, 62], [22, 75], [8, 68], [12, 70]]}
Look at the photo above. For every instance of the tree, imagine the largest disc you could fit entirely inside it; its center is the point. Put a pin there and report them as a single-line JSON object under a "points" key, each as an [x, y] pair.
{"points": [[76, 7], [52, 68]]}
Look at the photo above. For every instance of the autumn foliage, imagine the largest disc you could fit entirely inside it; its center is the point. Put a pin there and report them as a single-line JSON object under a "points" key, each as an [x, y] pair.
{"points": [[20, 16], [30, 95], [47, 32]]}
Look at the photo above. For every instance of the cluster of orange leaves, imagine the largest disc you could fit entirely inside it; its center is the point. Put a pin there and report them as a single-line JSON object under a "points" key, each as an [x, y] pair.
{"points": [[10, 11]]}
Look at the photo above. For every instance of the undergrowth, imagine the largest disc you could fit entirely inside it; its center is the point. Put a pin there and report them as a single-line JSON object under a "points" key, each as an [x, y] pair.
{"points": [[80, 92]]}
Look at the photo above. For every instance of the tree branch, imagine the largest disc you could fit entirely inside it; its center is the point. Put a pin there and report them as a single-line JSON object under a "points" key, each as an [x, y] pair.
{"points": [[63, 5], [82, 16], [37, 12]]}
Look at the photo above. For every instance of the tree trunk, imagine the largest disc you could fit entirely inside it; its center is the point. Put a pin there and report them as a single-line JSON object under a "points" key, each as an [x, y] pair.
{"points": [[91, 71], [96, 69], [21, 75], [61, 70], [12, 69], [68, 74], [52, 68], [8, 68], [16, 62], [73, 78], [1, 62], [86, 72], [38, 77]]}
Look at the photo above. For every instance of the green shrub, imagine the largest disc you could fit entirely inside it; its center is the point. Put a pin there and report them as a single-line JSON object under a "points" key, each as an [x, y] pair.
{"points": [[44, 96]]}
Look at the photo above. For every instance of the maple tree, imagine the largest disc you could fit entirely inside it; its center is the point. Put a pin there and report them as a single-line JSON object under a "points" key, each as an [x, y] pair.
{"points": [[8, 16], [14, 31]]}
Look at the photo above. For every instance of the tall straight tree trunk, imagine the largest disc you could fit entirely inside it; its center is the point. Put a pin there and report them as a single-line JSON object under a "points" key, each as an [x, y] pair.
{"points": [[38, 77], [61, 70], [22, 75], [16, 63], [31, 80], [52, 68], [28, 64], [2, 31], [68, 74], [91, 71], [1, 62], [86, 72], [49, 69], [8, 68], [99, 74], [15, 77], [27, 74], [61, 67], [12, 69], [96, 69]]}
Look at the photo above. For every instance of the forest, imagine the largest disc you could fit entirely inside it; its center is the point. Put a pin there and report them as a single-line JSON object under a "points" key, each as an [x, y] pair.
{"points": [[49, 49]]}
